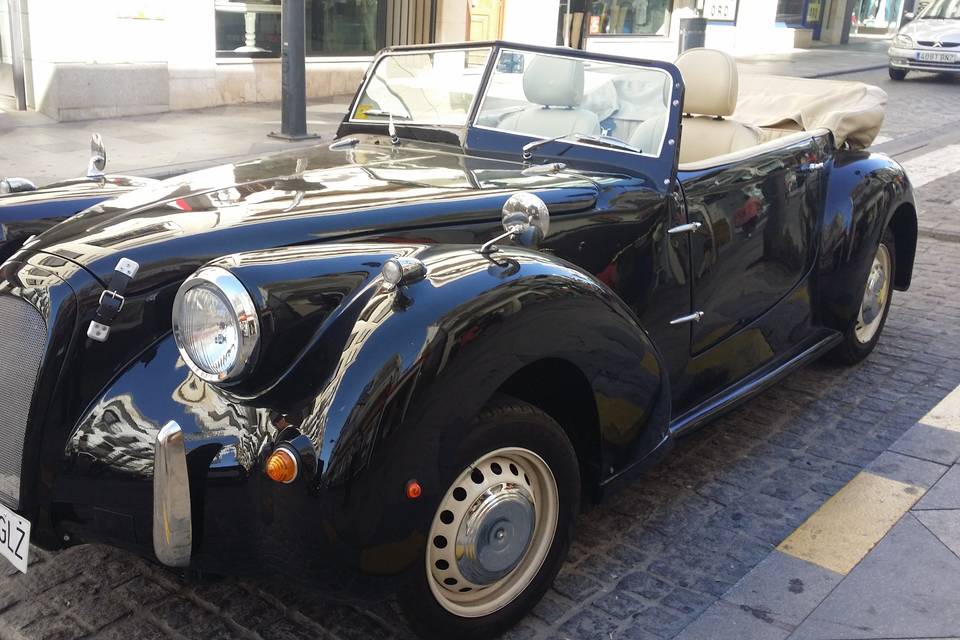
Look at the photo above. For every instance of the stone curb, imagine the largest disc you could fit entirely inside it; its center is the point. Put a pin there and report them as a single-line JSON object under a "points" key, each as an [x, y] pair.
{"points": [[943, 236], [840, 72]]}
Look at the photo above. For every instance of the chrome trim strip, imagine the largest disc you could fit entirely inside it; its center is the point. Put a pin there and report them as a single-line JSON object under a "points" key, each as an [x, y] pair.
{"points": [[684, 228], [172, 526], [693, 317]]}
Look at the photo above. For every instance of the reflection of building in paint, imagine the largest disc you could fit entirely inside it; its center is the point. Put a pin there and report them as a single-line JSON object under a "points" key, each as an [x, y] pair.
{"points": [[118, 435], [242, 428]]}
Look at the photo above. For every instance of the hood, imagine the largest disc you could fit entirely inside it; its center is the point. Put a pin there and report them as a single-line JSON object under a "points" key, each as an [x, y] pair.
{"points": [[297, 197], [933, 30]]}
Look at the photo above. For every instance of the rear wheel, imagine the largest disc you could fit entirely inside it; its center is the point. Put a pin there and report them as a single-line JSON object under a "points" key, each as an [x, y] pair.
{"points": [[897, 74], [864, 331], [502, 528]]}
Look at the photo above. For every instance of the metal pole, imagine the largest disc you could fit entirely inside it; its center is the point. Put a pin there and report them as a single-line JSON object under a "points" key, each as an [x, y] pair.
{"points": [[293, 72], [16, 47]]}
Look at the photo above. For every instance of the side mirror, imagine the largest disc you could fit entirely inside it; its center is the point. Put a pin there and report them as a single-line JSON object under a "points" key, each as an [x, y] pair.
{"points": [[525, 219], [908, 17], [98, 157], [16, 185]]}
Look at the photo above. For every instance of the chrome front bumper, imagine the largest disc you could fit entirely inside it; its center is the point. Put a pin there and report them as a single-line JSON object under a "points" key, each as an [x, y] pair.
{"points": [[908, 59], [172, 526]]}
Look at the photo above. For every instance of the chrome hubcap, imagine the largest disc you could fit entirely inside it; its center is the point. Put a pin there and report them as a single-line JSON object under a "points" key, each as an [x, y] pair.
{"points": [[492, 532], [874, 296], [495, 533]]}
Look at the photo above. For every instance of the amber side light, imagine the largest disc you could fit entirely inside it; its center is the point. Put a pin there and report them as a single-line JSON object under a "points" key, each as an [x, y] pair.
{"points": [[414, 490], [282, 466]]}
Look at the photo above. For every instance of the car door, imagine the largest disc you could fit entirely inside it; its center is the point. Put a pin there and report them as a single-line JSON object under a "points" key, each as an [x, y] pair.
{"points": [[757, 239]]}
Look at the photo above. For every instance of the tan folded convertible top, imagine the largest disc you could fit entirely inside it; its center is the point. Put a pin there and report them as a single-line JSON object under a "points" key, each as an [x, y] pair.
{"points": [[853, 111]]}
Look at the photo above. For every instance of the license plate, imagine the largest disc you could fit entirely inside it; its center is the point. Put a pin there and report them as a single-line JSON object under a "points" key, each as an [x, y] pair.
{"points": [[14, 538], [934, 56]]}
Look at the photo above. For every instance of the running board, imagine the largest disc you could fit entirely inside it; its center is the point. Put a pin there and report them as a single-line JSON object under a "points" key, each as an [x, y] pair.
{"points": [[743, 391]]}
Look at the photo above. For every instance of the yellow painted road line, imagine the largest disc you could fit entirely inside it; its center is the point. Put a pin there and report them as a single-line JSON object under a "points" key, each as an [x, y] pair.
{"points": [[848, 525], [946, 415]]}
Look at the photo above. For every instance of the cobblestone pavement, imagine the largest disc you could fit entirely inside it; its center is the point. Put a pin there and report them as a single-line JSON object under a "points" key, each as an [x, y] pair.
{"points": [[650, 559]]}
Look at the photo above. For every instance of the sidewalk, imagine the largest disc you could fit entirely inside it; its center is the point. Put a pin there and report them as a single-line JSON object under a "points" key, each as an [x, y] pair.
{"points": [[160, 145], [880, 559], [821, 61]]}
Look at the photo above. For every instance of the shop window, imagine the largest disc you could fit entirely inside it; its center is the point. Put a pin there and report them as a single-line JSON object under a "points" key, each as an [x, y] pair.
{"points": [[333, 27], [247, 29], [790, 12], [630, 17], [336, 27]]}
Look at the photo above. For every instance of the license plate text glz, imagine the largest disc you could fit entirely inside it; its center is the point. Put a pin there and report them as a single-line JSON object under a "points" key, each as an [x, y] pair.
{"points": [[14, 538]]}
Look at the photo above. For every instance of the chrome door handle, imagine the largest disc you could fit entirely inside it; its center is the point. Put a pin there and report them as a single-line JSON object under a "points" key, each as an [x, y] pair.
{"points": [[693, 317], [684, 228]]}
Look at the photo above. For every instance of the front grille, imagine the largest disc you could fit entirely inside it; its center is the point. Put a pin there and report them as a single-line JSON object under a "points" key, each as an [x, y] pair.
{"points": [[23, 337], [932, 43]]}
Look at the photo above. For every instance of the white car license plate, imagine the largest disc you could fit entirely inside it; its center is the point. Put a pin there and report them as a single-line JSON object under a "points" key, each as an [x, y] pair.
{"points": [[14, 538], [934, 56]]}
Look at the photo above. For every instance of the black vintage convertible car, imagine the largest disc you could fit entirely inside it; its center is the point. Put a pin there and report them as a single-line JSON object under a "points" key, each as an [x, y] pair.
{"points": [[403, 361]]}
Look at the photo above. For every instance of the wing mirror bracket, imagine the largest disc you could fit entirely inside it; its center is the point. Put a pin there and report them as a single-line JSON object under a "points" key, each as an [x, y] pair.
{"points": [[526, 220]]}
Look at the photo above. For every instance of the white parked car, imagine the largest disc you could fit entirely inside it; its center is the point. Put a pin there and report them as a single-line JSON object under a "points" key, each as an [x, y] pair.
{"points": [[930, 42]]}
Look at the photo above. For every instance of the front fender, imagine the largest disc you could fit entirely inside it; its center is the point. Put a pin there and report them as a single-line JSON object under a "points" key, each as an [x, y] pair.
{"points": [[430, 355], [864, 192], [393, 379], [385, 384]]}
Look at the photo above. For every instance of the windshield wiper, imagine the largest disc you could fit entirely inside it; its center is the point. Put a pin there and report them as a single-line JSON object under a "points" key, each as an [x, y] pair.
{"points": [[391, 129], [607, 141], [600, 141]]}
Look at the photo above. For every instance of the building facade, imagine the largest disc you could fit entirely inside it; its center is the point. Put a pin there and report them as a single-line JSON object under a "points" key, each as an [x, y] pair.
{"points": [[82, 60]]}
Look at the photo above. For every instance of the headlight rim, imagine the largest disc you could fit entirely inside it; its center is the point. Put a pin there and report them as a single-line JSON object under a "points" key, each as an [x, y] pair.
{"points": [[241, 303], [903, 41]]}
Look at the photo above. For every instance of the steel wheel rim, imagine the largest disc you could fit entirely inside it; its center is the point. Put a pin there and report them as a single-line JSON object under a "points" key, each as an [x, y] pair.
{"points": [[875, 296], [491, 498]]}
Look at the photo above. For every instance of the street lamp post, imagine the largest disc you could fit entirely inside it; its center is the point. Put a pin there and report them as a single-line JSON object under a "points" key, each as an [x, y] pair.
{"points": [[293, 70]]}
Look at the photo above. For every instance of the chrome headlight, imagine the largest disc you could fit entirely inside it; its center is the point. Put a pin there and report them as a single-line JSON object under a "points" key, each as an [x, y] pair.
{"points": [[903, 41], [216, 326]]}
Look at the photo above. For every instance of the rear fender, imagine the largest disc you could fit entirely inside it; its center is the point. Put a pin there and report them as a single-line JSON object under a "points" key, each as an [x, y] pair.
{"points": [[865, 191]]}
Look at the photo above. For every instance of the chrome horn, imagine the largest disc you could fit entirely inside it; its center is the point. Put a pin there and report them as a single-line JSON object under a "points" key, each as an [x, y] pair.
{"points": [[98, 157], [525, 219]]}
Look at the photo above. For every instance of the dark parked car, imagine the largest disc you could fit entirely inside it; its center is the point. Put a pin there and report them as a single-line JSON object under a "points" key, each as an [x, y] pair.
{"points": [[406, 359]]}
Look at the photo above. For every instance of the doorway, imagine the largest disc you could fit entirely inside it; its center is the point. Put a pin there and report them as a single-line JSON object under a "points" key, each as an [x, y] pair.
{"points": [[486, 20]]}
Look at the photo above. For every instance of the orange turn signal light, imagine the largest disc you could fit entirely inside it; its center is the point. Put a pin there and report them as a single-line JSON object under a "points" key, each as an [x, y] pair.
{"points": [[282, 465], [414, 490]]}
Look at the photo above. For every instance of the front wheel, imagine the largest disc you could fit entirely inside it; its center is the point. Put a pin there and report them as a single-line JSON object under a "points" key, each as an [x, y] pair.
{"points": [[897, 74], [501, 530], [863, 332]]}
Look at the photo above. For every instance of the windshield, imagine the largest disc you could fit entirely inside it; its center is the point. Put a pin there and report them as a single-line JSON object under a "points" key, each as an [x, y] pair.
{"points": [[943, 10], [433, 88], [615, 105]]}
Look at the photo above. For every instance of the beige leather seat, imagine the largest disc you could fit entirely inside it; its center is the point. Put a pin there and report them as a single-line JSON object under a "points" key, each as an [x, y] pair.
{"points": [[555, 85], [711, 86]]}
